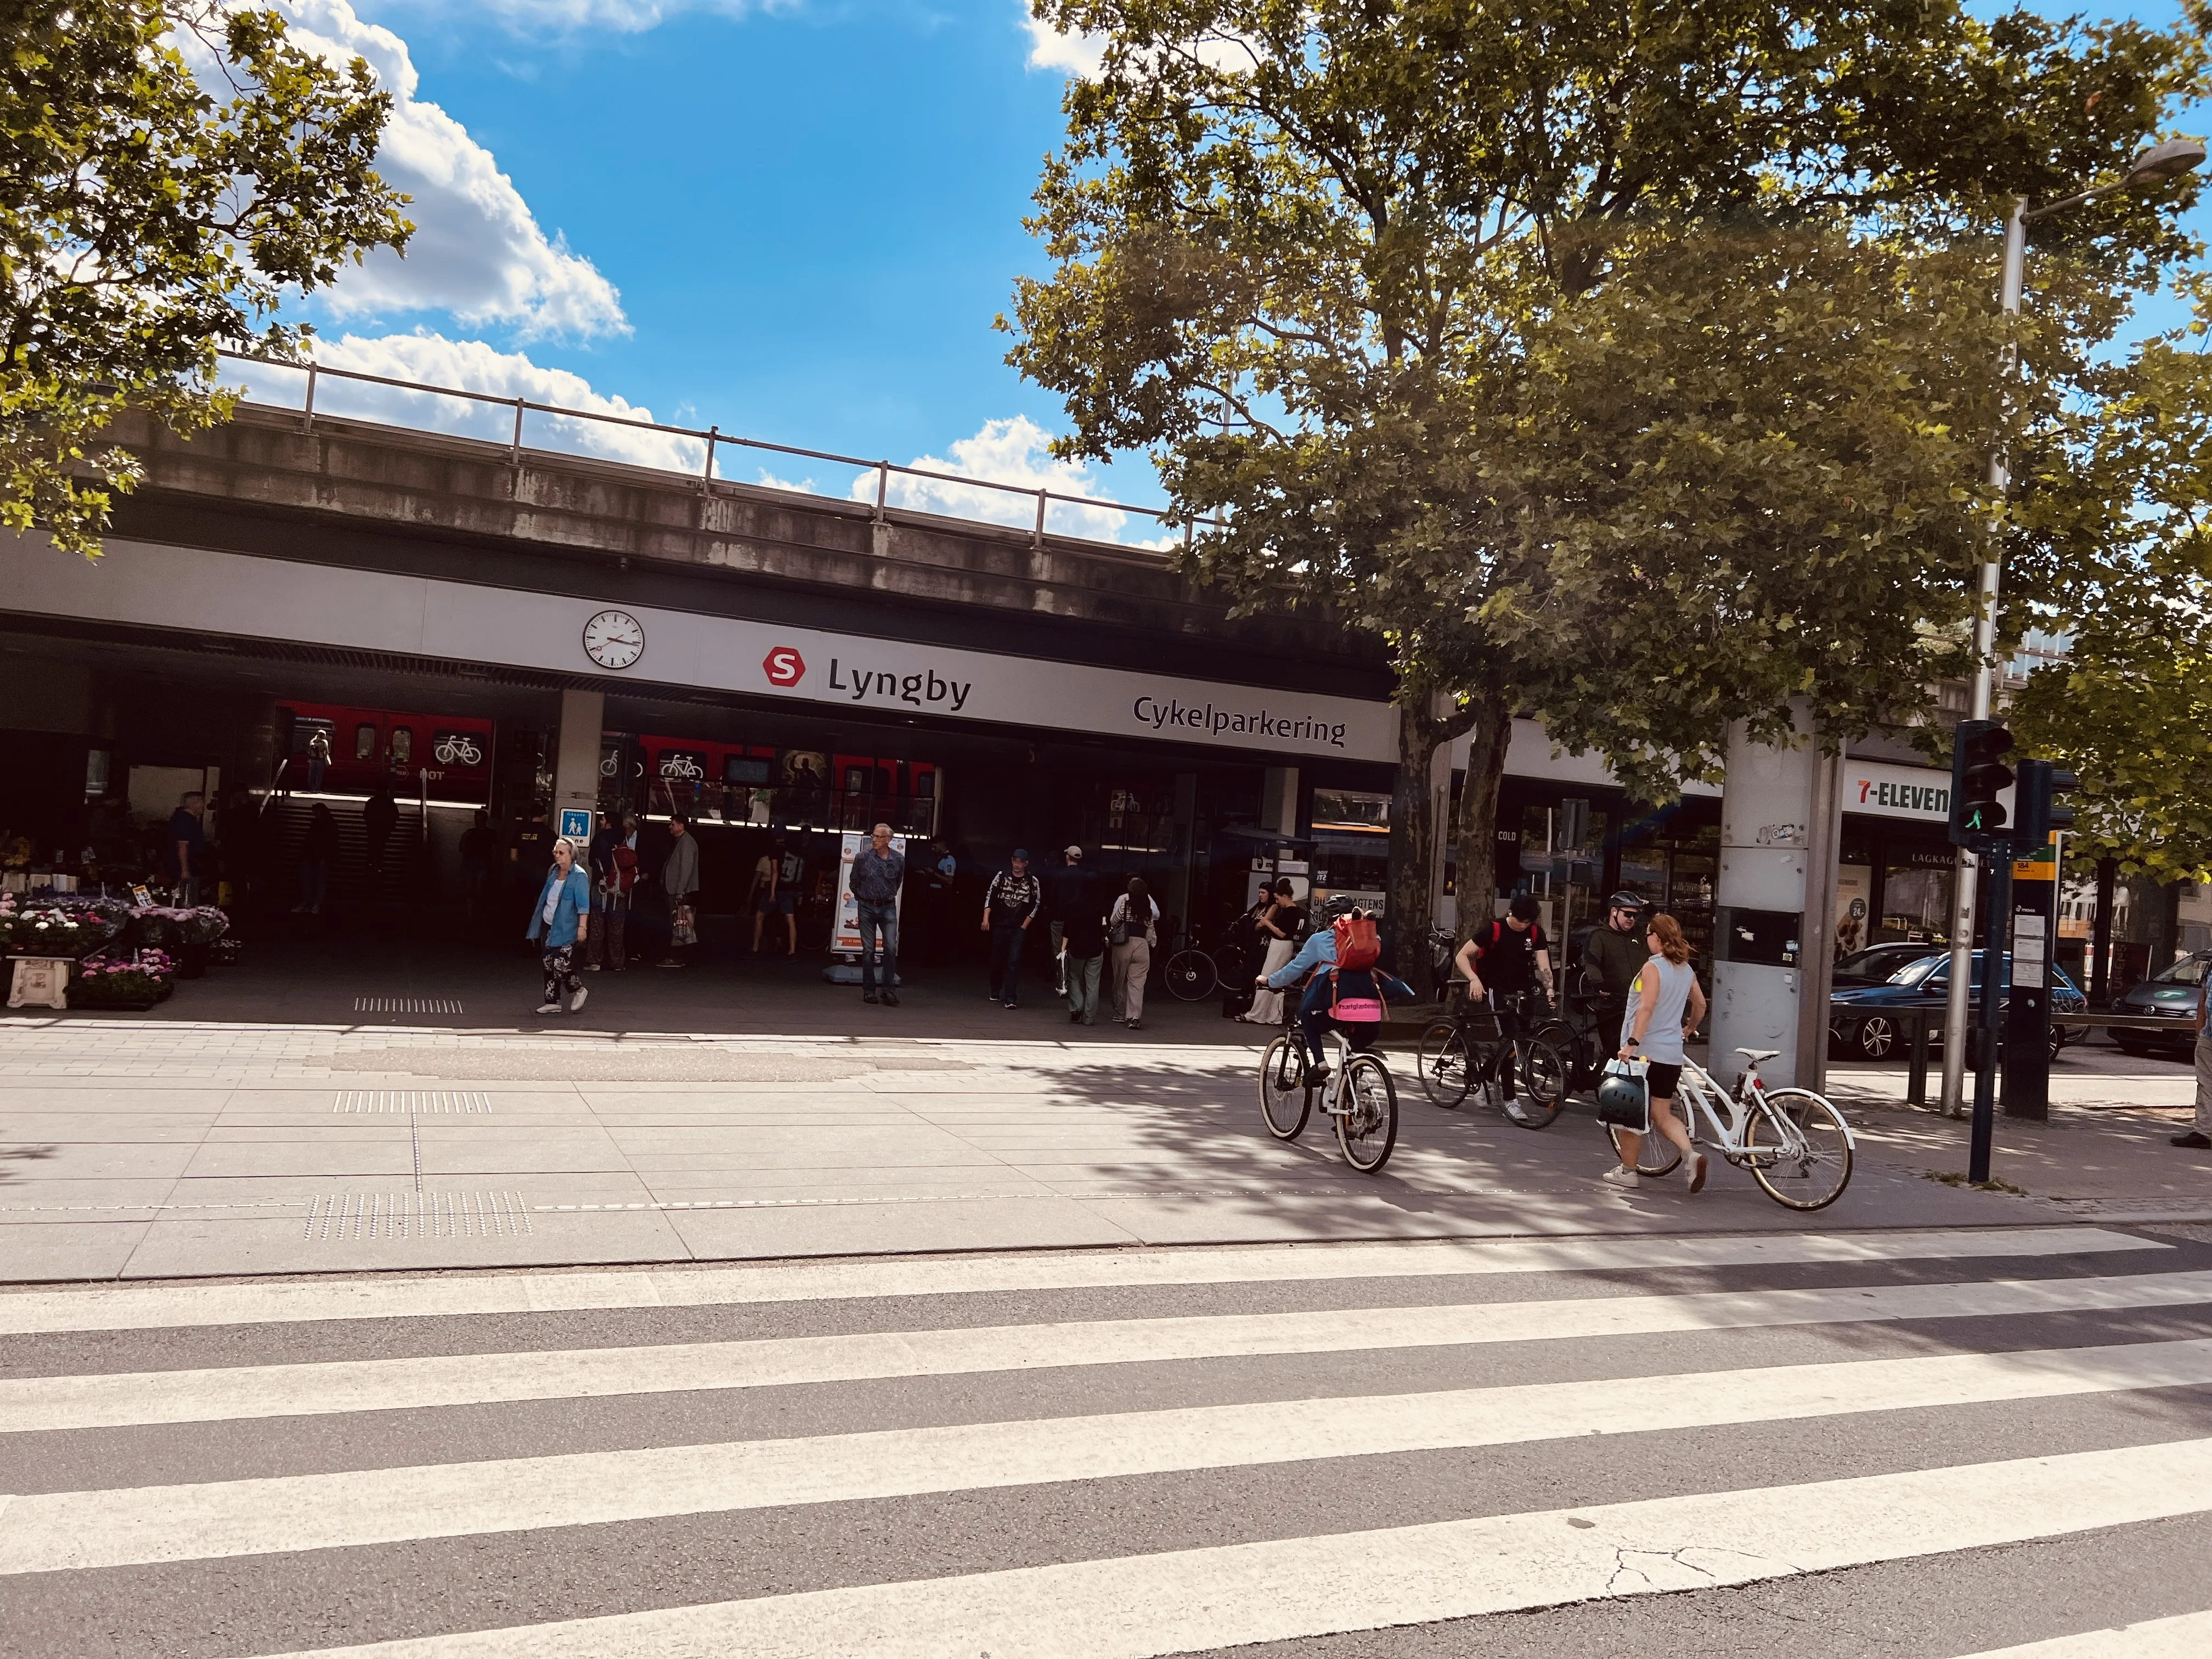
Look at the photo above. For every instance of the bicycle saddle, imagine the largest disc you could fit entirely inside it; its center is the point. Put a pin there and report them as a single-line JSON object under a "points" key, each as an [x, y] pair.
{"points": [[1754, 1055]]}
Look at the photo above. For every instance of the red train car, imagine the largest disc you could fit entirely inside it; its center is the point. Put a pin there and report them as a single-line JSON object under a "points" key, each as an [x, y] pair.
{"points": [[445, 756]]}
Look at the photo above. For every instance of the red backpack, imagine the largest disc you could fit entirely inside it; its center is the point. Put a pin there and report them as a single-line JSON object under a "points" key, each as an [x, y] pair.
{"points": [[1357, 947]]}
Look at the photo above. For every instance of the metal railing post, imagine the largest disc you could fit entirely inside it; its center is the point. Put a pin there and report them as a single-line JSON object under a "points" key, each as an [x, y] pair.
{"points": [[308, 424], [514, 451], [883, 487], [1036, 536], [707, 478]]}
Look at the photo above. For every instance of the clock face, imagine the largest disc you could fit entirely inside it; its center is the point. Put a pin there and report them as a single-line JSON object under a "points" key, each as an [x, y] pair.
{"points": [[614, 638]]}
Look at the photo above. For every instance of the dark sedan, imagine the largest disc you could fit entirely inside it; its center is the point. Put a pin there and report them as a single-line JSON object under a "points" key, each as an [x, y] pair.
{"points": [[1870, 1022], [2171, 994], [1874, 964]]}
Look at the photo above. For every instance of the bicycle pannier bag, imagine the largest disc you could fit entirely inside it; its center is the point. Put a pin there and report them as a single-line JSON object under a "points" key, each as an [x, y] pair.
{"points": [[1623, 1096]]}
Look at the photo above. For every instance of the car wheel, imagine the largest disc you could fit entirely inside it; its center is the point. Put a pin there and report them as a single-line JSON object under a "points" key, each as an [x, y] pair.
{"points": [[1876, 1038]]}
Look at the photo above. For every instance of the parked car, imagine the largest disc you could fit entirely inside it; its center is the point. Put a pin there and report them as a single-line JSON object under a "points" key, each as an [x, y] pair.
{"points": [[1874, 964], [1865, 1021], [2170, 994]]}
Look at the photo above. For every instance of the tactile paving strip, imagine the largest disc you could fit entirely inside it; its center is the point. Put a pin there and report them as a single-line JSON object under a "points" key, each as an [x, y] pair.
{"points": [[412, 1100], [405, 1005], [339, 1218]]}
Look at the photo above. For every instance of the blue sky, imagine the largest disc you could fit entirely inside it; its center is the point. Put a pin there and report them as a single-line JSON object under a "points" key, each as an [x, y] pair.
{"points": [[795, 221]]}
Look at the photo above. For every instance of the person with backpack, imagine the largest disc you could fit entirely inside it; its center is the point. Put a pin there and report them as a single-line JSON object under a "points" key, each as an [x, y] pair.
{"points": [[1347, 988], [1131, 929], [1505, 962]]}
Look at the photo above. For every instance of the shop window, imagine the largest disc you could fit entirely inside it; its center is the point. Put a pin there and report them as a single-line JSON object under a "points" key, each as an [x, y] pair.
{"points": [[364, 741], [1351, 808], [1916, 901]]}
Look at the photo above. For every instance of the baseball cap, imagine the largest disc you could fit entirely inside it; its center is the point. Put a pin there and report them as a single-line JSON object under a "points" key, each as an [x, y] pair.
{"points": [[1072, 851], [1023, 853]]}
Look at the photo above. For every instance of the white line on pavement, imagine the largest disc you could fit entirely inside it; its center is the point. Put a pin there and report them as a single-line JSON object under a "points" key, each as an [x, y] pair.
{"points": [[116, 1399], [2186, 1636], [1190, 1601], [145, 1307], [54, 1532]]}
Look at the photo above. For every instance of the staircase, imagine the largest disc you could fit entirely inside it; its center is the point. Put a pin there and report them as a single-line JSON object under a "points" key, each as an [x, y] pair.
{"points": [[410, 876]]}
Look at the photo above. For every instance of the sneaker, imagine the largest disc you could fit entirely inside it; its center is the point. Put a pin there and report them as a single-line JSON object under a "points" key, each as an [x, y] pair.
{"points": [[1136, 1026], [668, 961], [1315, 1076], [868, 996], [1010, 1003], [1513, 1110], [890, 998], [1074, 1017], [577, 1001], [547, 1008], [1621, 1175], [1697, 1172], [2195, 1140], [591, 967]]}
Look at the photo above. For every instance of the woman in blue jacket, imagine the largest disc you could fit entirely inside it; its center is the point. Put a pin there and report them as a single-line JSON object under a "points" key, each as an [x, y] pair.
{"points": [[563, 916]]}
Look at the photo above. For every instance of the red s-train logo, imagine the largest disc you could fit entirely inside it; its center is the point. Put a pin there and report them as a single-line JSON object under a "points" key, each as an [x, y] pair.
{"points": [[784, 666]]}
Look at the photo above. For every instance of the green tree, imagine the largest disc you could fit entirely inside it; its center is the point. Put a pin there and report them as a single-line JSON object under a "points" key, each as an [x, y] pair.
{"points": [[146, 219], [2130, 707], [1629, 369]]}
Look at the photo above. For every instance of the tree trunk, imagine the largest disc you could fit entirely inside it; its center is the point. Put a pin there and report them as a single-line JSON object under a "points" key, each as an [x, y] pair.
{"points": [[1414, 826], [1475, 832]]}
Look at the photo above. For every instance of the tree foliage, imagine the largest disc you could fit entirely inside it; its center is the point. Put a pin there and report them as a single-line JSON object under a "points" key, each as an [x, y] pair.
{"points": [[146, 218], [1631, 370]]}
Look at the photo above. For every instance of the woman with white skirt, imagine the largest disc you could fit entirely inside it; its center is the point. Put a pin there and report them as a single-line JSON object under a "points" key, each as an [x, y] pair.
{"points": [[1279, 927]]}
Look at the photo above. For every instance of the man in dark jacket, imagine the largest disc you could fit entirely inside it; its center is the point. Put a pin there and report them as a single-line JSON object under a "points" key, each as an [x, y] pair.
{"points": [[1009, 904], [1613, 955], [1064, 885]]}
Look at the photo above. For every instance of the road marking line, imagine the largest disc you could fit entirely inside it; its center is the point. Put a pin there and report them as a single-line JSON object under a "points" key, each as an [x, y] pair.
{"points": [[116, 1399], [1192, 1600], [2186, 1636], [147, 1307], [54, 1532]]}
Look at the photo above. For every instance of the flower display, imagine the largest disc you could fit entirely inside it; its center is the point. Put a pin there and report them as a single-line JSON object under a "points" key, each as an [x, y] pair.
{"points": [[137, 981], [51, 929]]}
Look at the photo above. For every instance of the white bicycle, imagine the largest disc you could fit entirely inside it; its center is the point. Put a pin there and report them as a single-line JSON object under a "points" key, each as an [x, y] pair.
{"points": [[1794, 1142], [1359, 1095]]}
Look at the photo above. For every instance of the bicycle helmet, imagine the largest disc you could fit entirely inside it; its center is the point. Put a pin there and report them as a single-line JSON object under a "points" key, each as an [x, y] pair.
{"points": [[1623, 1100], [1340, 904], [1625, 900]]}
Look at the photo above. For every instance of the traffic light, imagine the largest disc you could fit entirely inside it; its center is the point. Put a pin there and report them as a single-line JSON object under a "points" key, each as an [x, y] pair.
{"points": [[1978, 775], [2041, 811]]}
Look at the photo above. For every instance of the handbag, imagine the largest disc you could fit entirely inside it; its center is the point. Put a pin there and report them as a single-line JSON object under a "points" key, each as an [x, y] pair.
{"points": [[1623, 1096], [682, 930]]}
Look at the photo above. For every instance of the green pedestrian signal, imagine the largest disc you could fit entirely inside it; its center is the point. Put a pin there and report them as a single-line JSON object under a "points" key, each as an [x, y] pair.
{"points": [[1978, 777]]}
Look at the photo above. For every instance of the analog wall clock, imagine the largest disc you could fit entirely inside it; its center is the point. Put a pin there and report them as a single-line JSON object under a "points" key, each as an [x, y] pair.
{"points": [[614, 638]]}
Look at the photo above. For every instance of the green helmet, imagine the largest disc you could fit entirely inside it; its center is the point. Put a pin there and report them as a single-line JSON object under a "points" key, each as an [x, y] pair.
{"points": [[1621, 1098]]}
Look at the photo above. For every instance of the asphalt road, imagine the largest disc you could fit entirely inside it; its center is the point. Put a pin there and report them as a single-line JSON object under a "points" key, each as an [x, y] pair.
{"points": [[1893, 1445]]}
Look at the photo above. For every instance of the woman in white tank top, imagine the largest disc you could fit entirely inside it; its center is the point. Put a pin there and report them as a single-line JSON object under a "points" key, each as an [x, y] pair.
{"points": [[1666, 1005]]}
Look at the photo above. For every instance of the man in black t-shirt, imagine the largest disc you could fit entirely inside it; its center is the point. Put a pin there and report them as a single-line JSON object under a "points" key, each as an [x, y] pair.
{"points": [[1505, 962]]}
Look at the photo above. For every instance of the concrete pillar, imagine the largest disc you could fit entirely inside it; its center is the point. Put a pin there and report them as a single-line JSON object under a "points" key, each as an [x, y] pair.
{"points": [[1182, 849], [1279, 800], [576, 761], [1780, 814]]}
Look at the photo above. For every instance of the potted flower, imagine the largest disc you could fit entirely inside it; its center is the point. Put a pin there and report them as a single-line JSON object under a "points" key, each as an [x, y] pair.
{"points": [[46, 929], [139, 981]]}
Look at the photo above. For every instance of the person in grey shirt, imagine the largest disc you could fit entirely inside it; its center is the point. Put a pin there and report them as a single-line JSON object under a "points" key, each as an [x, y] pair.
{"points": [[878, 872], [679, 879], [1665, 1004]]}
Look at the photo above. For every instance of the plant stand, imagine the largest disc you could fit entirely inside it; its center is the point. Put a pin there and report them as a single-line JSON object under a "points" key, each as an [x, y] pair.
{"points": [[40, 982]]}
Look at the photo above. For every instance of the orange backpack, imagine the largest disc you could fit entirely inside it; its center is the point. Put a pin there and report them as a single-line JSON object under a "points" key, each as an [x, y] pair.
{"points": [[1357, 947]]}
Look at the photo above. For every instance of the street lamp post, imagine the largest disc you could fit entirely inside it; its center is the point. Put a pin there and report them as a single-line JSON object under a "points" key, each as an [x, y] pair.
{"points": [[2154, 166]]}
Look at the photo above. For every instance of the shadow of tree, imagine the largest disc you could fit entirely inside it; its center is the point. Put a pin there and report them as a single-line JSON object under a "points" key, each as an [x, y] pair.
{"points": [[9, 1154]]}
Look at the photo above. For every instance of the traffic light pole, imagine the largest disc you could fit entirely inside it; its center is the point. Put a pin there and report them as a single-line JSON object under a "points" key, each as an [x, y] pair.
{"points": [[1956, 1018], [1998, 912]]}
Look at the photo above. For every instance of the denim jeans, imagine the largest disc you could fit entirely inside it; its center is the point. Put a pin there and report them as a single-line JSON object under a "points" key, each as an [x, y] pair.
{"points": [[879, 930], [1007, 963]]}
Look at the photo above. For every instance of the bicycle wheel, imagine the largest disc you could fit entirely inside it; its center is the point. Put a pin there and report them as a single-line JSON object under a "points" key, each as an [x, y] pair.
{"points": [[1543, 1084], [1810, 1174], [1445, 1073], [1191, 976], [1284, 1100], [1369, 1129], [1656, 1157]]}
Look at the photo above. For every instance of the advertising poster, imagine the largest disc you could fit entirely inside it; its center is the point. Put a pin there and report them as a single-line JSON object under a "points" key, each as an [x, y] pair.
{"points": [[1854, 908], [845, 937]]}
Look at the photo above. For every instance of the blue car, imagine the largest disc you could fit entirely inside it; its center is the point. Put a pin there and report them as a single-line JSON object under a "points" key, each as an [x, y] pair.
{"points": [[1865, 1023]]}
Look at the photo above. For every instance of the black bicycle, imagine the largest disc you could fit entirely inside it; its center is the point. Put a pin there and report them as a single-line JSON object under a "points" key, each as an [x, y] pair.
{"points": [[1468, 1052]]}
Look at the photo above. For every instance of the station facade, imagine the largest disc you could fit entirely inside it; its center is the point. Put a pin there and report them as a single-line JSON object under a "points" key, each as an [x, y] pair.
{"points": [[288, 616]]}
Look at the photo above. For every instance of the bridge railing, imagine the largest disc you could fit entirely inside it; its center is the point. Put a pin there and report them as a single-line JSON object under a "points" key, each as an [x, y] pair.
{"points": [[703, 455]]}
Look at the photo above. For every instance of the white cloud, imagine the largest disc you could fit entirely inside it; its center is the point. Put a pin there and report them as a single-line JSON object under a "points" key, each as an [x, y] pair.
{"points": [[1015, 452], [478, 253], [471, 366], [1079, 55]]}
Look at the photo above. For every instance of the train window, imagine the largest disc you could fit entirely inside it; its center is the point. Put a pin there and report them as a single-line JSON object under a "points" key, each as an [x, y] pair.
{"points": [[747, 770], [364, 741], [402, 744]]}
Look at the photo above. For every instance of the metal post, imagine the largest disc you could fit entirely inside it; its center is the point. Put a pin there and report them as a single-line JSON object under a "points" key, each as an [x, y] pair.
{"points": [[1955, 1019], [1999, 916], [883, 487], [2100, 938], [514, 453], [707, 478], [308, 424], [1036, 536]]}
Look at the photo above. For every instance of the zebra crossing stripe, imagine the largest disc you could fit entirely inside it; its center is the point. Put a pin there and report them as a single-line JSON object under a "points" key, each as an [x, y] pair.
{"points": [[1279, 1590], [2186, 1636], [71, 1530], [229, 1393], [147, 1307]]}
